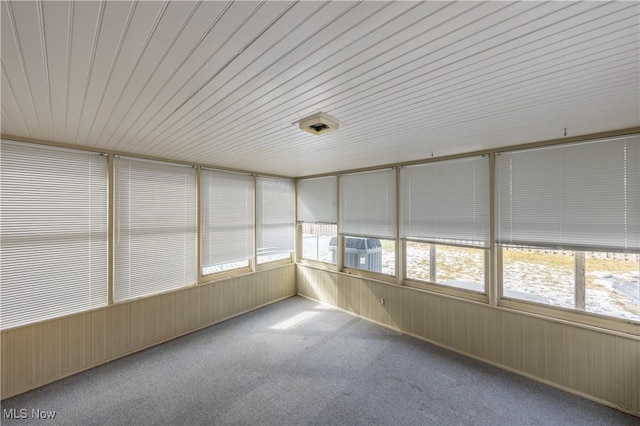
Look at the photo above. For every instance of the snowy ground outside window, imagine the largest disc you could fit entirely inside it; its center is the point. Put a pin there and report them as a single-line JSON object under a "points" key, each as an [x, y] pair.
{"points": [[542, 276]]}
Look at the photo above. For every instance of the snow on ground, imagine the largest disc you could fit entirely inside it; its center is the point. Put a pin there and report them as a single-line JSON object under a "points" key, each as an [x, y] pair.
{"points": [[615, 294], [611, 293]]}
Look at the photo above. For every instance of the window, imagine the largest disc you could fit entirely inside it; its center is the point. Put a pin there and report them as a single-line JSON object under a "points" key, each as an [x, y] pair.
{"points": [[54, 232], [317, 212], [539, 275], [445, 211], [368, 220], [612, 284], [227, 220], [597, 282], [318, 242], [455, 266], [568, 221], [155, 227], [371, 254], [275, 219]]}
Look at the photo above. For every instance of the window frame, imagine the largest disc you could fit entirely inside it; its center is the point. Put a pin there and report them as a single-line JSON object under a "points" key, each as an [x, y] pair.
{"points": [[224, 274], [485, 161], [127, 230], [325, 217], [580, 293], [573, 316], [300, 243], [260, 266], [493, 295], [74, 155], [520, 228], [393, 211], [380, 276], [493, 285], [231, 272], [481, 296]]}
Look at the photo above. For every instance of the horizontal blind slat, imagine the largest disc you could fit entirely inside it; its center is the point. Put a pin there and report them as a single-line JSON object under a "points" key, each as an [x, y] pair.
{"points": [[155, 227], [227, 217], [584, 195], [368, 204], [317, 200], [275, 216], [54, 228], [447, 201]]}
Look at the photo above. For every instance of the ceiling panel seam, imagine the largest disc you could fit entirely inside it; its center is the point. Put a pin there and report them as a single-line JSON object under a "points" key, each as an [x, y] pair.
{"points": [[184, 59], [167, 136], [134, 67], [275, 88], [13, 95], [447, 92], [239, 125], [23, 66], [219, 70], [68, 81], [116, 57], [415, 88], [45, 62], [90, 68], [202, 65], [7, 117], [369, 70]]}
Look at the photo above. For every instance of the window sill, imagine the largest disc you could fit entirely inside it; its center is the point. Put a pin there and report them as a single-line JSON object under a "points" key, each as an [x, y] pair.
{"points": [[461, 293], [379, 276], [318, 264], [273, 264], [223, 275], [623, 327]]}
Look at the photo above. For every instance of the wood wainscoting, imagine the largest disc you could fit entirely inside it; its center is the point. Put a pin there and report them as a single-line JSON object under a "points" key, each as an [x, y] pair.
{"points": [[593, 363], [40, 353]]}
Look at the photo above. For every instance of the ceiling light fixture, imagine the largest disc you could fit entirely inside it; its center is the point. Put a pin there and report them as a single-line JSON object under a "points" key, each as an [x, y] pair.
{"points": [[318, 124]]}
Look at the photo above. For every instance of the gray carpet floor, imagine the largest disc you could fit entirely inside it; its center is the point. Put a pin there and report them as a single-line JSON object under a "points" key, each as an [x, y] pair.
{"points": [[329, 368]]}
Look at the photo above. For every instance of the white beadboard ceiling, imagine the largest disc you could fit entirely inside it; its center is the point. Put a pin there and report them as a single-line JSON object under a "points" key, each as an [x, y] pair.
{"points": [[224, 83]]}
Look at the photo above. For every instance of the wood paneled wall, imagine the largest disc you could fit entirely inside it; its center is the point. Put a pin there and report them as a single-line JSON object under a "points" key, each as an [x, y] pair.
{"points": [[36, 354], [601, 366]]}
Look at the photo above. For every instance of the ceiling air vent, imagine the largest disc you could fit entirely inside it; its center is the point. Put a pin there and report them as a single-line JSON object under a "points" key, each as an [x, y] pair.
{"points": [[318, 124]]}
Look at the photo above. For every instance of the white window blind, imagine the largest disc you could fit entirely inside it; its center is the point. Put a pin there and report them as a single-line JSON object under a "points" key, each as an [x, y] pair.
{"points": [[54, 232], [227, 217], [447, 201], [317, 200], [155, 227], [577, 196], [275, 217], [368, 204]]}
